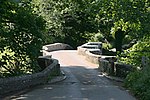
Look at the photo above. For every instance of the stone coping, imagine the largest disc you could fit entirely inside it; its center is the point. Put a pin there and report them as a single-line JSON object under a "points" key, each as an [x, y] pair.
{"points": [[94, 43], [90, 46], [16, 83], [56, 46], [46, 53]]}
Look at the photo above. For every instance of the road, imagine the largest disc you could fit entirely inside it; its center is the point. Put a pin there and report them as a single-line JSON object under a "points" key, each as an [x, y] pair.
{"points": [[83, 82]]}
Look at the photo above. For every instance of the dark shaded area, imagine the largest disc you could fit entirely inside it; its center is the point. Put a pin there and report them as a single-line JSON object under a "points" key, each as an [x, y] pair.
{"points": [[81, 83], [108, 53], [119, 35]]}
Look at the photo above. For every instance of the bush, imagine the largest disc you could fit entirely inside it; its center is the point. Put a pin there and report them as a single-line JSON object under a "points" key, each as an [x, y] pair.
{"points": [[21, 35], [138, 82], [12, 65], [96, 37], [133, 55]]}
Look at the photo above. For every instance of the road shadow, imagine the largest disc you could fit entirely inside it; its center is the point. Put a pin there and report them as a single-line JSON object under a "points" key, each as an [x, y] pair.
{"points": [[82, 83]]}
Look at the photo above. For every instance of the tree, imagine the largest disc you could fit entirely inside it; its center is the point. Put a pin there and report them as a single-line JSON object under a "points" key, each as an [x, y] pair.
{"points": [[68, 21], [119, 35], [75, 21], [20, 37], [132, 17]]}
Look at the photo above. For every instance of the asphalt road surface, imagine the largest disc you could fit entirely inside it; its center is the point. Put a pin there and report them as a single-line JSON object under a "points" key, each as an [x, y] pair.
{"points": [[83, 82]]}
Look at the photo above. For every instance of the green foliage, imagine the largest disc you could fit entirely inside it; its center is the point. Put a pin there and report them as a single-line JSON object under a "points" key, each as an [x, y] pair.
{"points": [[130, 16], [11, 65], [138, 82], [68, 21], [20, 35], [124, 26], [96, 37], [134, 54], [107, 46]]}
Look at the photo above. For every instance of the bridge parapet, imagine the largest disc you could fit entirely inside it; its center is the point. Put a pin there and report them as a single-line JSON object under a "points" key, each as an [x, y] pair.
{"points": [[17, 83], [54, 47], [92, 51]]}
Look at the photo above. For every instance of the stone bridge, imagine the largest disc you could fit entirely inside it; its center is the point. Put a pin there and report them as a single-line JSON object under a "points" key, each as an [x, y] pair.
{"points": [[83, 82]]}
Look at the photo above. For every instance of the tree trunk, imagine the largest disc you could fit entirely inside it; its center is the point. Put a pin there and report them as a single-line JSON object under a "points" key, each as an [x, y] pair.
{"points": [[119, 35]]}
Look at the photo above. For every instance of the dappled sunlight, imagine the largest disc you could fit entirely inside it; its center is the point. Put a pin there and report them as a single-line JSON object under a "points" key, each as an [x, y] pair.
{"points": [[48, 88], [20, 97]]}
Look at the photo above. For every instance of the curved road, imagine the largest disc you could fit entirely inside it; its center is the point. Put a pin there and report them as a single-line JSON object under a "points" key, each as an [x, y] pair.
{"points": [[83, 82]]}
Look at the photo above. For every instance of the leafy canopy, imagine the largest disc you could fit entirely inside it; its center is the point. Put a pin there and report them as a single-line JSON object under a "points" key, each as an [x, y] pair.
{"points": [[20, 37]]}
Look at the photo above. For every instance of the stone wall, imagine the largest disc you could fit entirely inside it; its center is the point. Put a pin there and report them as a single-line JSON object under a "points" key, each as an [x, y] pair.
{"points": [[107, 64], [56, 46], [11, 84], [91, 50], [114, 68], [92, 57], [89, 46]]}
